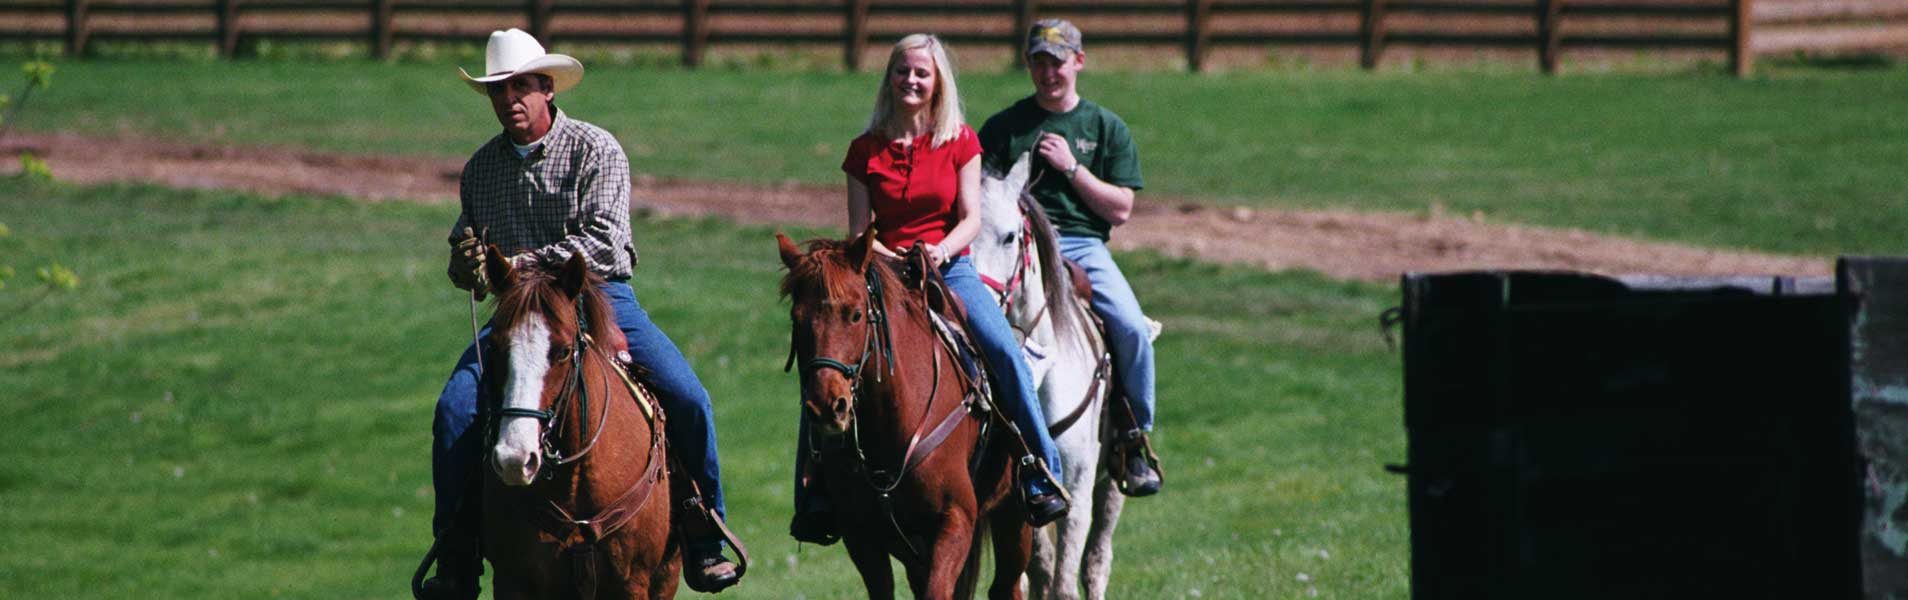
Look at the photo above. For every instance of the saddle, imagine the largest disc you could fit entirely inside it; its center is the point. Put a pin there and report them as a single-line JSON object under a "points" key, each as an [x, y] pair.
{"points": [[1118, 425]]}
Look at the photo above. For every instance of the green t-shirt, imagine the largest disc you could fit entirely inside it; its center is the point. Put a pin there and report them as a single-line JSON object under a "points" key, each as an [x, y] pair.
{"points": [[1099, 140]]}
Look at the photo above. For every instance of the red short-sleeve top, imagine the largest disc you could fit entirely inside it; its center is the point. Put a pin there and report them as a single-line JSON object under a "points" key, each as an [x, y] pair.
{"points": [[912, 186]]}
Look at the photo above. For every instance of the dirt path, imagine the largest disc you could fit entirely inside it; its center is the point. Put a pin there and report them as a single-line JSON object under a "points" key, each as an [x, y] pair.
{"points": [[1365, 246]]}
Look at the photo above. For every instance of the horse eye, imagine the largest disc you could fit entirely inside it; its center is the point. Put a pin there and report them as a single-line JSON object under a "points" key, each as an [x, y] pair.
{"points": [[854, 317], [1009, 239], [558, 352]]}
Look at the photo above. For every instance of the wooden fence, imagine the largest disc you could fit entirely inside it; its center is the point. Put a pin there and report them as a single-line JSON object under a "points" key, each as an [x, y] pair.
{"points": [[1195, 27]]}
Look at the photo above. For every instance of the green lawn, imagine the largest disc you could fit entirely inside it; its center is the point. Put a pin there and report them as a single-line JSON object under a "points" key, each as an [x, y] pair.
{"points": [[236, 404], [1797, 159]]}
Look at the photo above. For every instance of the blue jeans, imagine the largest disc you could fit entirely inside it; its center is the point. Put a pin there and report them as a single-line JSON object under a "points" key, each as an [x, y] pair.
{"points": [[1126, 331], [1009, 375], [691, 432]]}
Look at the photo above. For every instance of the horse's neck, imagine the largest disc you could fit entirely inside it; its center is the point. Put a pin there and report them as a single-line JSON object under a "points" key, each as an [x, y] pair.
{"points": [[1042, 332], [620, 453], [909, 381]]}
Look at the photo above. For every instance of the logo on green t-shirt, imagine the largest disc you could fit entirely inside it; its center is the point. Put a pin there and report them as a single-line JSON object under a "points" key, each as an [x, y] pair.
{"points": [[1100, 142]]}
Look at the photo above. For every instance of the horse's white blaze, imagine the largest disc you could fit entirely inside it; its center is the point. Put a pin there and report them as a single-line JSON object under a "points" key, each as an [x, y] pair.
{"points": [[517, 444]]}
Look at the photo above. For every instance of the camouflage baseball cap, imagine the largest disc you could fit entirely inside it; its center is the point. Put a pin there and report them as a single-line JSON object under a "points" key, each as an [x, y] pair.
{"points": [[1053, 36]]}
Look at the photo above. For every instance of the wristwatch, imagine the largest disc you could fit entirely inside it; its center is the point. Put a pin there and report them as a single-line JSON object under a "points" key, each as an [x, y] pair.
{"points": [[1073, 170]]}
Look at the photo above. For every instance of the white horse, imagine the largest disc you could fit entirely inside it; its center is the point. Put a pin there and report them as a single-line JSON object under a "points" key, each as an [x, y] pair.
{"points": [[1016, 254]]}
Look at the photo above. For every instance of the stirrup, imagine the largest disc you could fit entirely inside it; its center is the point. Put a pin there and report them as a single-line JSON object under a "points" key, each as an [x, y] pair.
{"points": [[816, 527], [1044, 508], [1133, 444], [699, 521], [700, 579]]}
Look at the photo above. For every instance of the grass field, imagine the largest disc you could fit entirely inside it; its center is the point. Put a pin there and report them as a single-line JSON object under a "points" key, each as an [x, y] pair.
{"points": [[236, 404], [1798, 159]]}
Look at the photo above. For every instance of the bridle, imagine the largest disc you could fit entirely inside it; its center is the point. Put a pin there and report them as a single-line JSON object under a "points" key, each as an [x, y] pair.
{"points": [[878, 343], [880, 346], [574, 386], [1006, 291]]}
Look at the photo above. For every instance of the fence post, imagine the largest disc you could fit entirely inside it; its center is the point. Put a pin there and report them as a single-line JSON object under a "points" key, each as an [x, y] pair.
{"points": [[381, 29], [228, 27], [76, 29], [854, 33], [539, 13], [1023, 21], [1371, 33], [695, 31], [1742, 58], [1198, 33], [1549, 39]]}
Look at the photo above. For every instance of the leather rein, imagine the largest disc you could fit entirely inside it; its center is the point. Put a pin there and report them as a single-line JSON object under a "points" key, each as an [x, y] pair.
{"points": [[553, 518], [1006, 292], [880, 345]]}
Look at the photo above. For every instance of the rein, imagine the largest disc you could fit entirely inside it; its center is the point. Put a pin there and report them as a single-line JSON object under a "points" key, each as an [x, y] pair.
{"points": [[574, 386], [880, 343], [552, 517]]}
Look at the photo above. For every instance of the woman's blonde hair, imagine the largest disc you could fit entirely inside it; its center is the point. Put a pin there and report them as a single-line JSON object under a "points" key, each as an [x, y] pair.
{"points": [[944, 109]]}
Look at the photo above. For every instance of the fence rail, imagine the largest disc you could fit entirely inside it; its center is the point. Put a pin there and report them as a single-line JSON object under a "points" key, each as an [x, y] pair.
{"points": [[1194, 26]]}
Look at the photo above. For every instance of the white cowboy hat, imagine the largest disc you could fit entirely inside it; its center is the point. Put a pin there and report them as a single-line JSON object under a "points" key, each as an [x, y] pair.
{"points": [[512, 51]]}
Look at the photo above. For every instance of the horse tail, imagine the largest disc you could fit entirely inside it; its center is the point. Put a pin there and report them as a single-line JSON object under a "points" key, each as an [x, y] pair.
{"points": [[1053, 270]]}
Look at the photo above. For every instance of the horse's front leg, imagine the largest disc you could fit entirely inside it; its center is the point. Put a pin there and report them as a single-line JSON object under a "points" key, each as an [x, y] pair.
{"points": [[936, 575], [1013, 542], [1081, 449], [872, 561], [1107, 504]]}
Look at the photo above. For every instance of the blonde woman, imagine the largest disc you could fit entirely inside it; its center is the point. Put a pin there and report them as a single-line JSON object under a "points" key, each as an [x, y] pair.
{"points": [[915, 175]]}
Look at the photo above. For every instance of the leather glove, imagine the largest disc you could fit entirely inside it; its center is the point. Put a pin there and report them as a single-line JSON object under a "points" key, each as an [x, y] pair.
{"points": [[467, 265]]}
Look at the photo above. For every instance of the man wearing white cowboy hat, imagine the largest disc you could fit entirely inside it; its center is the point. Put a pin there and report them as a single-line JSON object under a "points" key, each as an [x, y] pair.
{"points": [[547, 187]]}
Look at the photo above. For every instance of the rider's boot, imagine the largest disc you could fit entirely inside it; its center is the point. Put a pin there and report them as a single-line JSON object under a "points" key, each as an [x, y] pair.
{"points": [[814, 521], [459, 566], [705, 569], [1138, 467], [1041, 496]]}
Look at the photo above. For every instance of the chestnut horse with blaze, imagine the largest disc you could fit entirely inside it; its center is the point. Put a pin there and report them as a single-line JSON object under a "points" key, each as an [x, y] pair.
{"points": [[570, 506], [905, 445]]}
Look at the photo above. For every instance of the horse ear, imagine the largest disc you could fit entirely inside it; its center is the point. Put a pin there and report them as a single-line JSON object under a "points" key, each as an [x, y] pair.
{"points": [[497, 268], [862, 249], [576, 273], [1017, 176], [790, 254]]}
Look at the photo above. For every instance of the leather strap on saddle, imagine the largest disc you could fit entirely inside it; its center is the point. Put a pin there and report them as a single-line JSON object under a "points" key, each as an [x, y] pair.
{"points": [[695, 519], [1100, 376], [1082, 286]]}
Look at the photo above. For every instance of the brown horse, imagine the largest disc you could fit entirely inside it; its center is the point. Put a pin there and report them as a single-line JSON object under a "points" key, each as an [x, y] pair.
{"points": [[588, 527], [905, 449]]}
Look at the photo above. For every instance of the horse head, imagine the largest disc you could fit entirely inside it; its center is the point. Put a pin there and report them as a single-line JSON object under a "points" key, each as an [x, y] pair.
{"points": [[832, 289], [537, 343], [997, 249]]}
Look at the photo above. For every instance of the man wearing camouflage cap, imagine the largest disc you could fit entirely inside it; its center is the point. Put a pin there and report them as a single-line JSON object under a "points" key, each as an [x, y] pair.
{"points": [[1091, 172]]}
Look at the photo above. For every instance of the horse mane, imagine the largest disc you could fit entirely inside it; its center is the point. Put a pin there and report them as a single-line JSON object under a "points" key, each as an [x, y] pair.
{"points": [[824, 272], [534, 290], [1053, 270]]}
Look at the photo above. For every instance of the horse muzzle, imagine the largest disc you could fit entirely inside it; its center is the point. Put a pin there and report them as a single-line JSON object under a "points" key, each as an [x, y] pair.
{"points": [[831, 414], [515, 467]]}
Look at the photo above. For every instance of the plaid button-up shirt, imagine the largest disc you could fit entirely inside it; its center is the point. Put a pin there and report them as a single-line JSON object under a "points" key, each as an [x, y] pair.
{"points": [[571, 193]]}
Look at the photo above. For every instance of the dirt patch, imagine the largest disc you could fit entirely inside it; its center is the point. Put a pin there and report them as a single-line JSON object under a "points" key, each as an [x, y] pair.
{"points": [[1342, 244]]}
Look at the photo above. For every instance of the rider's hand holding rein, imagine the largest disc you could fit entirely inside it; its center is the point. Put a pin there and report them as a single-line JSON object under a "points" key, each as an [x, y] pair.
{"points": [[467, 264]]}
